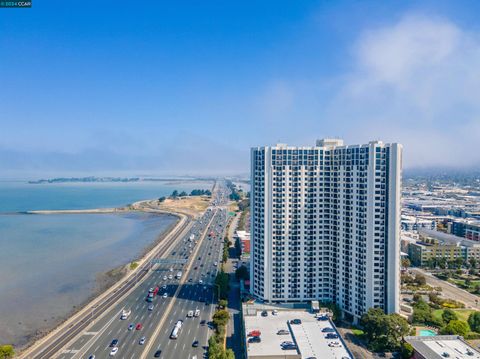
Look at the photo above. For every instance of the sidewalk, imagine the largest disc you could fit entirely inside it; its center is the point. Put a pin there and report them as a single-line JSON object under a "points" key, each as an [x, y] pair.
{"points": [[234, 326]]}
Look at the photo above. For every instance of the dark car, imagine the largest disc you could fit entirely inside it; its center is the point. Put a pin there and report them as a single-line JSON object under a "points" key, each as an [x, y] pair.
{"points": [[195, 268], [331, 336], [254, 340], [157, 354], [295, 321], [195, 343], [323, 317], [328, 330], [114, 343], [264, 313]]}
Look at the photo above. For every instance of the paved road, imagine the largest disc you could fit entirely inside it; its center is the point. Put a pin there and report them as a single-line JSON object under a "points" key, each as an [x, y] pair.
{"points": [[449, 290], [182, 295]]}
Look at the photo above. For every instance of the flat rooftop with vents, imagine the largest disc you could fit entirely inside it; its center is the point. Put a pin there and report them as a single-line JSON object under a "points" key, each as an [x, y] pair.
{"points": [[441, 347], [308, 336]]}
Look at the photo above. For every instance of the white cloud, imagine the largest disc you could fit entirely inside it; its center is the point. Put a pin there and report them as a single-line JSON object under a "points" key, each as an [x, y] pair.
{"points": [[416, 82]]}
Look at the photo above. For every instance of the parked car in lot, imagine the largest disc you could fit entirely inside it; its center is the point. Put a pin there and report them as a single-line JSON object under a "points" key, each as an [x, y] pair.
{"points": [[264, 313], [331, 336], [283, 332], [295, 321], [328, 330], [254, 340]]}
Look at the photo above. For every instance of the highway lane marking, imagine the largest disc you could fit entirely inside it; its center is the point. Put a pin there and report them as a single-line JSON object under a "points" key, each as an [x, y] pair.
{"points": [[175, 295]]}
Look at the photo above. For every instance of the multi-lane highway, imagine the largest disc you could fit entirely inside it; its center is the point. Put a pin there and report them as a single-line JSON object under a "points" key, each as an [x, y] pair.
{"points": [[198, 259]]}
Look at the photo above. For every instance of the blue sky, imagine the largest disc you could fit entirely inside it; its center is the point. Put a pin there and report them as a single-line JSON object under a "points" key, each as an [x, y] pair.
{"points": [[187, 87]]}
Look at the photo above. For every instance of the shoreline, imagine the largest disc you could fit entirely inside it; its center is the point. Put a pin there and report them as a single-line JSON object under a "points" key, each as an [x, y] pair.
{"points": [[104, 281]]}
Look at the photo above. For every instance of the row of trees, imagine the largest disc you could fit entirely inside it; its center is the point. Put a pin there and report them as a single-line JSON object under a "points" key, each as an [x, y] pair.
{"points": [[195, 192], [216, 348], [457, 263]]}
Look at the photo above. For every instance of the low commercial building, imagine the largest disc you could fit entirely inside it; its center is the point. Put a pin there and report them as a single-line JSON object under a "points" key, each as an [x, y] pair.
{"points": [[308, 338], [437, 245], [413, 223], [470, 229], [244, 238], [441, 347]]}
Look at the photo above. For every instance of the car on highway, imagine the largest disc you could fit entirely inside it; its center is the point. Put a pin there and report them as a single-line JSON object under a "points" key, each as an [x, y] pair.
{"points": [[157, 354], [195, 343], [125, 314], [165, 295], [114, 343], [131, 326], [203, 322], [142, 340], [195, 268], [139, 326], [114, 351], [150, 307]]}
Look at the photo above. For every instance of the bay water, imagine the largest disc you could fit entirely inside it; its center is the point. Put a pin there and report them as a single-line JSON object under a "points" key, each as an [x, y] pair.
{"points": [[51, 264]]}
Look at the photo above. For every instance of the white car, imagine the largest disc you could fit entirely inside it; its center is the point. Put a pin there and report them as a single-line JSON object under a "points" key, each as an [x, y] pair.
{"points": [[113, 351], [164, 277], [171, 269], [190, 314], [200, 281], [142, 340], [164, 286], [170, 276], [197, 312], [165, 295]]}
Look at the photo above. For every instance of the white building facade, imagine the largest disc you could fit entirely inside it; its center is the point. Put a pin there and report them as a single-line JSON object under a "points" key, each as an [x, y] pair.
{"points": [[325, 224]]}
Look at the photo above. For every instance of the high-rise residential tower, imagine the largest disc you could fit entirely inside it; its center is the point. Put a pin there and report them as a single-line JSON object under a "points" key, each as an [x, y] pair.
{"points": [[325, 223]]}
